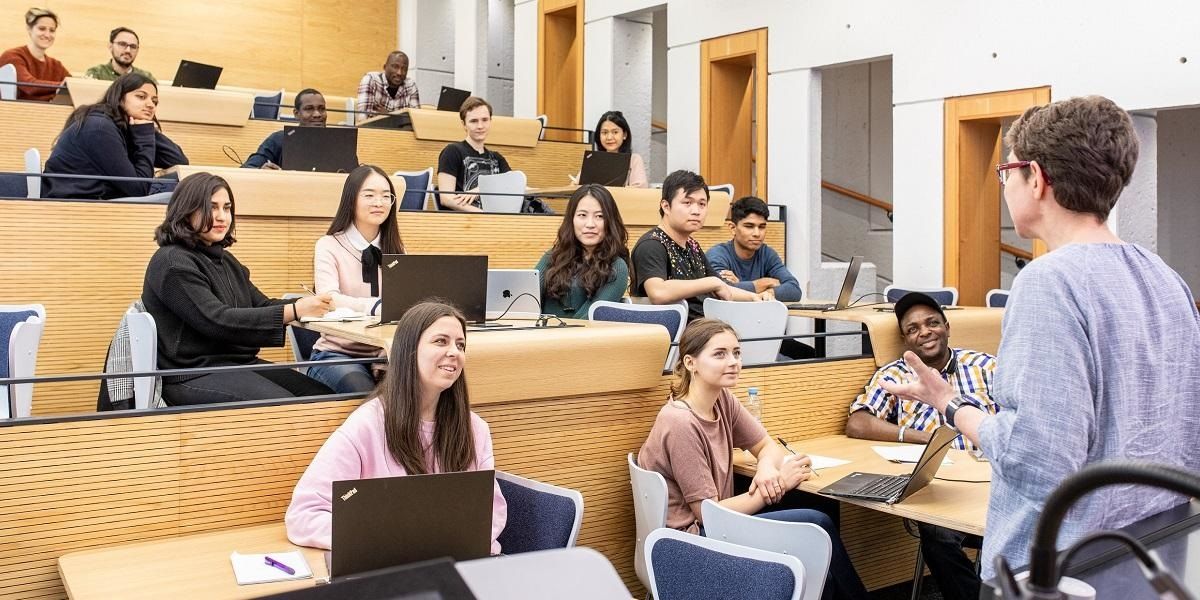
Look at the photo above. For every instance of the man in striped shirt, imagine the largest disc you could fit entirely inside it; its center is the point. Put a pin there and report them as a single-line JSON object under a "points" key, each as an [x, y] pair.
{"points": [[389, 90], [878, 415]]}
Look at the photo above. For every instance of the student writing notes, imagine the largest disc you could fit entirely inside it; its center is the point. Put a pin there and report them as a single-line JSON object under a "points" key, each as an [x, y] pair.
{"points": [[421, 422], [31, 61], [207, 311], [117, 136], [698, 428], [347, 265], [590, 257]]}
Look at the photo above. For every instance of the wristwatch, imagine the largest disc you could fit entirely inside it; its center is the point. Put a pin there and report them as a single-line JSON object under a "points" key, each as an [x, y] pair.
{"points": [[952, 407]]}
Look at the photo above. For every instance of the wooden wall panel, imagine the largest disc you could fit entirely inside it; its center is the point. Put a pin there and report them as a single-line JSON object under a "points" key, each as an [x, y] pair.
{"points": [[76, 485], [268, 44], [89, 280]]}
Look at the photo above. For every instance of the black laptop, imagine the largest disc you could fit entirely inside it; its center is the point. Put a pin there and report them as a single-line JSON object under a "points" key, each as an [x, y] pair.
{"points": [[843, 300], [323, 149], [380, 523], [896, 488], [452, 99], [412, 278], [196, 75], [604, 168]]}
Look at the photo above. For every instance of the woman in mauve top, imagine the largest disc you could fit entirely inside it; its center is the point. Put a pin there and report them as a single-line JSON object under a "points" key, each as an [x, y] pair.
{"points": [[420, 423]]}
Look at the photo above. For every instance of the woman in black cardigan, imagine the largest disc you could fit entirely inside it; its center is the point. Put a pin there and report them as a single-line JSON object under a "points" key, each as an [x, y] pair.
{"points": [[207, 311], [117, 136]]}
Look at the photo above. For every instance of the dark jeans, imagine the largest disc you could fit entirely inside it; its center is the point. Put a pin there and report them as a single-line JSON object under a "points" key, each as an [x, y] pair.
{"points": [[843, 582], [236, 386], [951, 569], [796, 350], [343, 379]]}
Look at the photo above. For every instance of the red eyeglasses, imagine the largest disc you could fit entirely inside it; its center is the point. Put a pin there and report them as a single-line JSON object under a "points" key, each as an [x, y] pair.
{"points": [[1002, 170]]}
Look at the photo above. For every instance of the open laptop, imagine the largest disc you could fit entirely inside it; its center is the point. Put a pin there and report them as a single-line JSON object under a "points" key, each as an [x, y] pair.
{"points": [[196, 75], [323, 149], [515, 293], [896, 488], [379, 523], [452, 99], [412, 278], [604, 168], [843, 300]]}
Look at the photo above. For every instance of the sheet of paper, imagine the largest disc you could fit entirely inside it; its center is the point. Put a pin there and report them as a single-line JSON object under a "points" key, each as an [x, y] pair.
{"points": [[905, 454], [253, 568], [824, 462]]}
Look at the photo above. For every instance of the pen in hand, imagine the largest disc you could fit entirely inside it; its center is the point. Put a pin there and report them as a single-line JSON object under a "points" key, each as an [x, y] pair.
{"points": [[783, 442], [278, 565], [308, 289]]}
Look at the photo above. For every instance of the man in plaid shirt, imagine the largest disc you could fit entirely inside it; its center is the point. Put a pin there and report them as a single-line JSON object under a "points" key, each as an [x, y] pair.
{"points": [[382, 92]]}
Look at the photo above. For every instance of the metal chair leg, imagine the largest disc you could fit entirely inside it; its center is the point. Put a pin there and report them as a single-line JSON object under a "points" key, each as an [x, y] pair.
{"points": [[918, 574]]}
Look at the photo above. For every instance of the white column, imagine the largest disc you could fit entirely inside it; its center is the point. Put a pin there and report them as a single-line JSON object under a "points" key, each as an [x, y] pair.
{"points": [[470, 46], [598, 58], [683, 107], [794, 162], [1135, 217], [525, 58], [408, 13], [917, 172]]}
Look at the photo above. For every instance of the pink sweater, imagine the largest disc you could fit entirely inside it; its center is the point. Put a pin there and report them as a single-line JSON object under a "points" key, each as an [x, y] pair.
{"points": [[337, 268], [358, 450]]}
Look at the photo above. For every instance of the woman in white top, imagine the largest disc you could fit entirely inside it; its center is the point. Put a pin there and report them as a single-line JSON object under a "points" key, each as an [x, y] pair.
{"points": [[346, 265], [612, 135]]}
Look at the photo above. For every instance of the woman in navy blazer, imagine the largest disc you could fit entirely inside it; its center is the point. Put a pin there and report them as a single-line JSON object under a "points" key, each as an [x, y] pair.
{"points": [[117, 136]]}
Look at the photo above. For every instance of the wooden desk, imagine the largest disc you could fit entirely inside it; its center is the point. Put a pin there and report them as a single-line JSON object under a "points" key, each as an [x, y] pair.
{"points": [[446, 126], [503, 363], [957, 505], [639, 206], [266, 192], [973, 327], [177, 104]]}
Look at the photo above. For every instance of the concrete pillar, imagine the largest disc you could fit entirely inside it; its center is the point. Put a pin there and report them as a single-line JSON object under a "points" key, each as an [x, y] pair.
{"points": [[683, 107], [525, 58], [1135, 217], [470, 45], [599, 54]]}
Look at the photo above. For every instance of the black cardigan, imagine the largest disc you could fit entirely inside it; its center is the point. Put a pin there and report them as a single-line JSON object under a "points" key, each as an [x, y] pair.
{"points": [[207, 311], [99, 147]]}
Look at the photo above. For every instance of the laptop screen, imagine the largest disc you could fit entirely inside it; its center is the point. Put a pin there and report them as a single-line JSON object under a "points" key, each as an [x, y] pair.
{"points": [[848, 283], [412, 278], [930, 461]]}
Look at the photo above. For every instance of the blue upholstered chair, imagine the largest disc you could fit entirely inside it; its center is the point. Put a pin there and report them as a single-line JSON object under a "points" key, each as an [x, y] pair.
{"points": [[806, 541], [267, 107], [540, 516], [996, 299], [415, 184], [13, 186], [671, 316], [20, 332], [946, 296], [684, 566]]}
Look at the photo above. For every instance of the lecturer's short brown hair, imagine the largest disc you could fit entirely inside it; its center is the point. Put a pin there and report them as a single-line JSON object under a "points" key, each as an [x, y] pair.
{"points": [[471, 104], [1086, 147]]}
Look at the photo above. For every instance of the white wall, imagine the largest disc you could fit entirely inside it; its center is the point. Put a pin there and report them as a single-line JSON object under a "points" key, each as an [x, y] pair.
{"points": [[683, 106], [432, 62], [500, 45], [525, 48], [1179, 192]]}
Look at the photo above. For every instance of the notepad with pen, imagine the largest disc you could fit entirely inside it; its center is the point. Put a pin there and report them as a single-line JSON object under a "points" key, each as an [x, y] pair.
{"points": [[269, 567]]}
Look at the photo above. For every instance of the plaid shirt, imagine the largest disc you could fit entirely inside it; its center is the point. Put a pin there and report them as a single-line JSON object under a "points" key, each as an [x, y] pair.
{"points": [[969, 371], [373, 95]]}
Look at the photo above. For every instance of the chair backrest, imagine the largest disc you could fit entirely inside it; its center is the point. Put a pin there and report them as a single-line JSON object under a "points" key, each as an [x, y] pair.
{"points": [[649, 510], [20, 333], [946, 296], [544, 120], [540, 516], [415, 183], [752, 320], [267, 107], [683, 565], [512, 182], [996, 299], [671, 316], [724, 187], [806, 541], [300, 339], [14, 186], [576, 573], [8, 82], [143, 350], [33, 164]]}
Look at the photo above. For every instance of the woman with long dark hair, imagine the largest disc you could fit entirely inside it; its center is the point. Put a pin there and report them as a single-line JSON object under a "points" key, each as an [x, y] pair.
{"points": [[693, 437], [420, 423], [207, 312], [590, 257], [116, 137], [346, 265], [612, 134]]}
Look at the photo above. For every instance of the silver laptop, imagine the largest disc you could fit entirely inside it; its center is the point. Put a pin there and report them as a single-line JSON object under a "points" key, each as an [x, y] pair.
{"points": [[518, 291], [843, 300]]}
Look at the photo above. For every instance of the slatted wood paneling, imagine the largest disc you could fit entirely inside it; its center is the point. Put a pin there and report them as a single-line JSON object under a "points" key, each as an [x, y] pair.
{"points": [[86, 261], [75, 485], [33, 125]]}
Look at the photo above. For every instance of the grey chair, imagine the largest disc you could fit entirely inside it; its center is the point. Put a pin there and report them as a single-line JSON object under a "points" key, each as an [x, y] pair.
{"points": [[684, 566], [996, 299], [649, 511], [946, 296], [21, 328], [540, 516], [415, 184], [267, 107]]}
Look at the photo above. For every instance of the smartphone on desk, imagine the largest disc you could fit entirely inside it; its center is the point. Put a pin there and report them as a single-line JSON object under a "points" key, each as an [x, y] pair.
{"points": [[977, 454]]}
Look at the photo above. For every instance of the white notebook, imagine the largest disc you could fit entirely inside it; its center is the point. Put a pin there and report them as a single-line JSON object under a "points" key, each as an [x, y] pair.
{"points": [[253, 568]]}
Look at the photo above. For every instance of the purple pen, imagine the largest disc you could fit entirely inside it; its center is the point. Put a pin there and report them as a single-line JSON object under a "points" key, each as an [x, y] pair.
{"points": [[279, 565]]}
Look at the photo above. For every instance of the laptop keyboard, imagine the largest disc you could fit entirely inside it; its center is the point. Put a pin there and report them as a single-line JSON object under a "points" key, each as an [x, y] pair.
{"points": [[885, 487]]}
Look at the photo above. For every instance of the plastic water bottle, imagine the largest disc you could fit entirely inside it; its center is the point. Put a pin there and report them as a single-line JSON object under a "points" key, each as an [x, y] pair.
{"points": [[754, 403]]}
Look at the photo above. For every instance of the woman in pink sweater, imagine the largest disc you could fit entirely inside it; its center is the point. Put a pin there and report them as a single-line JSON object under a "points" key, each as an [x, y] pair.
{"points": [[346, 265], [420, 423]]}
